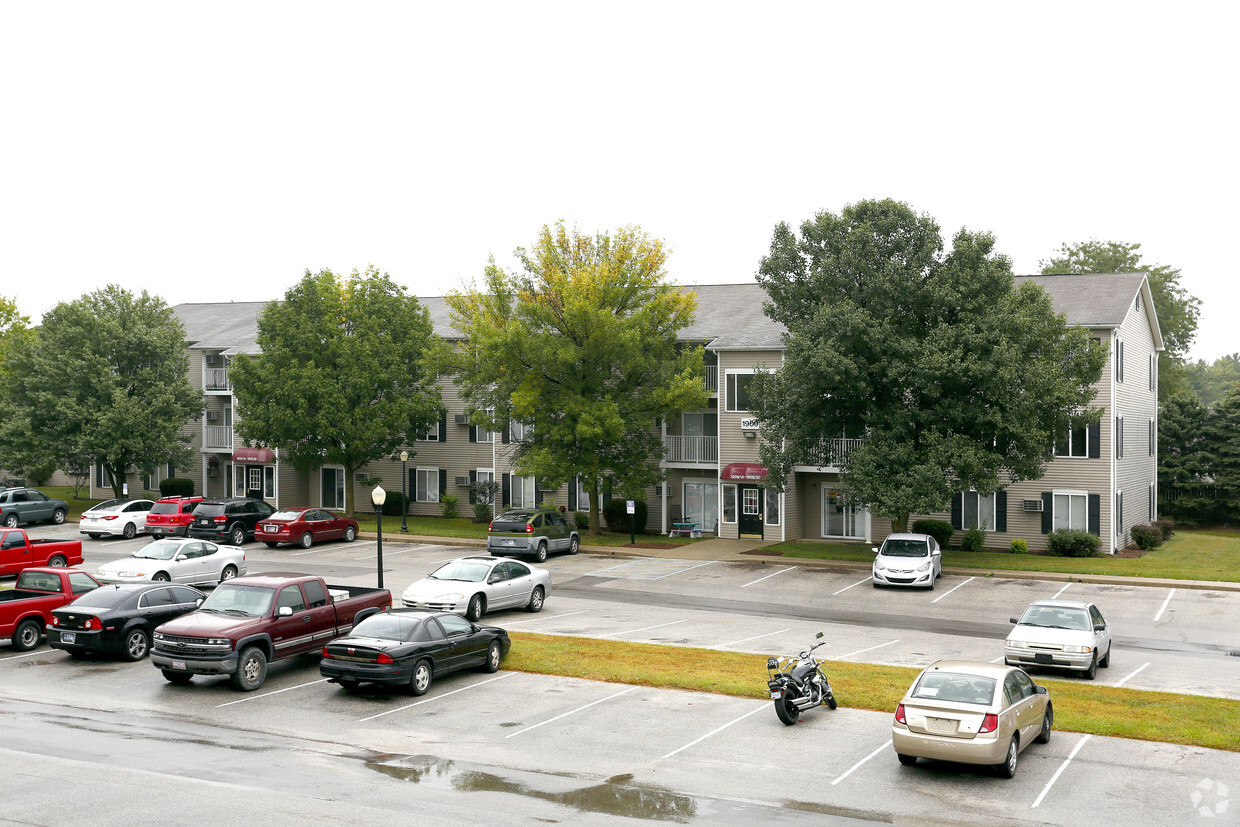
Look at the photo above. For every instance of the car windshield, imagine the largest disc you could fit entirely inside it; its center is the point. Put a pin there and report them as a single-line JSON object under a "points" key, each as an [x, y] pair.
{"points": [[905, 548], [285, 515], [254, 601], [956, 687], [1056, 617], [386, 626], [460, 570], [106, 505], [159, 550], [164, 508]]}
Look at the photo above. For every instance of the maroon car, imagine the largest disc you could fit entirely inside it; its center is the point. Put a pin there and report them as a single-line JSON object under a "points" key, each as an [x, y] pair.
{"points": [[305, 527]]}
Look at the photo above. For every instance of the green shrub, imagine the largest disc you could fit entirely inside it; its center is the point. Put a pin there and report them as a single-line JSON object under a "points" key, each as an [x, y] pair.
{"points": [[1147, 537], [1018, 546], [973, 540], [1166, 528], [447, 505], [176, 487], [582, 520], [940, 530], [617, 518], [1073, 544], [394, 505], [482, 512]]}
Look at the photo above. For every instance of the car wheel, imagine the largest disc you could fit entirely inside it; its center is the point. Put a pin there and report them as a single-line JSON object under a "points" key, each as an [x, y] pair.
{"points": [[541, 554], [58, 561], [475, 609], [574, 545], [421, 679], [307, 540], [876, 584], [94, 536], [1092, 671], [129, 531], [137, 644], [26, 636], [238, 535], [161, 577], [178, 678], [536, 600], [906, 760], [1105, 663], [270, 545], [11, 521], [350, 534], [228, 573], [58, 516], [251, 669], [1008, 768], [1048, 718], [493, 657], [932, 581]]}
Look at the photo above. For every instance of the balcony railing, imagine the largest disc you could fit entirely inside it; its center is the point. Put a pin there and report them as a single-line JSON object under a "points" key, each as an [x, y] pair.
{"points": [[832, 453], [215, 379], [217, 436], [712, 378], [703, 449]]}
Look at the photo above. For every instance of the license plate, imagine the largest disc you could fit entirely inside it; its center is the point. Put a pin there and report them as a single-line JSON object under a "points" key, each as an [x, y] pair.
{"points": [[270, 529], [67, 637], [178, 664], [510, 542], [1043, 658], [775, 696]]}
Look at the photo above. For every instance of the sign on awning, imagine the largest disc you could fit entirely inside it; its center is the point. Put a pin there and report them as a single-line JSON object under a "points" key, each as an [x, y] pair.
{"points": [[744, 472], [253, 455]]}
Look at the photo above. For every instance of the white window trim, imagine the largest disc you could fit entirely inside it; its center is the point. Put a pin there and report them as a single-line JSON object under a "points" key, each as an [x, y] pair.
{"points": [[430, 435], [420, 489], [728, 400], [1069, 446], [723, 513], [344, 489], [1069, 492], [516, 481], [994, 509]]}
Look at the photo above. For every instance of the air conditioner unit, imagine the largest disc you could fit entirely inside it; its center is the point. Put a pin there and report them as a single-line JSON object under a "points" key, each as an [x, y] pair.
{"points": [[213, 416], [1031, 505], [462, 482], [461, 419]]}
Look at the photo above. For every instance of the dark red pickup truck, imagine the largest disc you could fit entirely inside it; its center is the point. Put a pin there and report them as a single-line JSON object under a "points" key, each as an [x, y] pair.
{"points": [[249, 621], [18, 552], [26, 610]]}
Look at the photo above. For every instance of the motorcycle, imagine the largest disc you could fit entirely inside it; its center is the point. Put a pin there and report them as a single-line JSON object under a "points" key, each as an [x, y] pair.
{"points": [[798, 683]]}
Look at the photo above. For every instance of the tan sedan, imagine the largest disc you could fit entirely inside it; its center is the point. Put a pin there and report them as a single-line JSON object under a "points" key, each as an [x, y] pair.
{"points": [[972, 713]]}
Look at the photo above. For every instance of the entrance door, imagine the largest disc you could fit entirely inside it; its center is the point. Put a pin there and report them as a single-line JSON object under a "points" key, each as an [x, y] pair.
{"points": [[839, 518], [701, 501], [254, 482], [751, 512]]}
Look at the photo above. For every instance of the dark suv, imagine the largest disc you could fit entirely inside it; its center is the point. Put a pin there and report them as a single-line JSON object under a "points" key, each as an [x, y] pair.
{"points": [[532, 532], [232, 520]]}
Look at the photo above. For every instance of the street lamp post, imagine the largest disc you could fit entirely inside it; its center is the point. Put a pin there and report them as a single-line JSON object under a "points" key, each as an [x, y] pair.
{"points": [[404, 498], [377, 496]]}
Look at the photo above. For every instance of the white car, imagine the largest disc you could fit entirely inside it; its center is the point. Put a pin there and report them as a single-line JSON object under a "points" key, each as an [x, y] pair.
{"points": [[474, 585], [908, 560], [1061, 634], [196, 562], [124, 518]]}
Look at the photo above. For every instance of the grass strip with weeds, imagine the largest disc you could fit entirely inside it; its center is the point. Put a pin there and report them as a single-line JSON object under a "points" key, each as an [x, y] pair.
{"points": [[1193, 720]]}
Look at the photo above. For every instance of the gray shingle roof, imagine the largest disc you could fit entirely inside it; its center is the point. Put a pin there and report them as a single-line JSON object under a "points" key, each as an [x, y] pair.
{"points": [[1090, 299], [221, 325]]}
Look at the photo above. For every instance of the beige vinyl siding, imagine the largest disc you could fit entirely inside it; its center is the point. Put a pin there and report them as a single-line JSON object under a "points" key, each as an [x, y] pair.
{"points": [[1138, 404], [293, 487], [733, 446], [792, 506]]}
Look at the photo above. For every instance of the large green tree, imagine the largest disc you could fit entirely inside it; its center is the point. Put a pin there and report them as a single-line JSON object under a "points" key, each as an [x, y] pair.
{"points": [[106, 377], [1214, 380], [346, 372], [955, 379], [1187, 459], [580, 346]]}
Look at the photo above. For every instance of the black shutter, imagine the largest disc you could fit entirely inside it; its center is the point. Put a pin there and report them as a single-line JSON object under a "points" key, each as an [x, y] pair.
{"points": [[413, 484], [607, 490], [1095, 440], [473, 478], [473, 433], [443, 425], [1001, 511], [1095, 507], [537, 493], [505, 481], [572, 494], [507, 430], [1048, 511], [443, 482], [957, 510]]}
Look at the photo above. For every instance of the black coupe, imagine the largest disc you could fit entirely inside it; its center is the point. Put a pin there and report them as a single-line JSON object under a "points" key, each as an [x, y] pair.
{"points": [[407, 647], [119, 618]]}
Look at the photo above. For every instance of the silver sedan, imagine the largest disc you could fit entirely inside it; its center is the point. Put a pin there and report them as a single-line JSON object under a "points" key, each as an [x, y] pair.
{"points": [[197, 562], [473, 586]]}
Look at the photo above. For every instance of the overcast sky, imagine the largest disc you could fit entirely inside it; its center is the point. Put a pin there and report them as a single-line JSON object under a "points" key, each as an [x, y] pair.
{"points": [[215, 151]]}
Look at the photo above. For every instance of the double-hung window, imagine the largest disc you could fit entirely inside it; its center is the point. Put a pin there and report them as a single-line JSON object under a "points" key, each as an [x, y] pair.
{"points": [[1071, 511], [523, 494], [977, 511], [737, 392], [1075, 443], [427, 485]]}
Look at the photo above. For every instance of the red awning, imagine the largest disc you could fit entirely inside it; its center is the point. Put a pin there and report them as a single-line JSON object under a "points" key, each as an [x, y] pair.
{"points": [[253, 455], [744, 472]]}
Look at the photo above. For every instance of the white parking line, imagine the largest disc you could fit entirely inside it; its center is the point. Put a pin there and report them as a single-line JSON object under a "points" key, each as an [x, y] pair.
{"points": [[1124, 680], [682, 571], [940, 597], [1163, 608], [853, 586], [1059, 771], [859, 651], [437, 697], [572, 712], [1061, 591], [269, 694], [643, 629], [767, 577], [28, 654], [996, 660], [318, 550], [548, 617], [747, 639], [392, 553], [713, 732], [859, 763]]}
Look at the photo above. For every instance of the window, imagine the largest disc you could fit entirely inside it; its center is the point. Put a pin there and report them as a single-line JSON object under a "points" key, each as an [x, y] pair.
{"points": [[103, 477], [455, 625], [290, 596], [749, 502], [1073, 444], [772, 507], [485, 436], [738, 391], [729, 503], [269, 481], [426, 485], [315, 594], [239, 483], [156, 597], [1119, 360], [79, 583], [978, 511], [431, 435], [331, 487], [519, 431], [1153, 436], [1153, 371], [1070, 511], [1119, 513], [523, 493], [1119, 437]]}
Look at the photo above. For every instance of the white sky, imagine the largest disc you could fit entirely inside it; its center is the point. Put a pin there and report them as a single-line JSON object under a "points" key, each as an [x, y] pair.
{"points": [[215, 151]]}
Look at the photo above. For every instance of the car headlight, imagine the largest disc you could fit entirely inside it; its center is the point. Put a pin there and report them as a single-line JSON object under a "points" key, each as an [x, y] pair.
{"points": [[1079, 650], [158, 636], [1016, 644], [924, 567], [444, 598], [219, 641], [878, 567]]}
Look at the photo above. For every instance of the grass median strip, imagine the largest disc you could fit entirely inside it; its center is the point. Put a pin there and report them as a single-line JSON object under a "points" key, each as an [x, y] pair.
{"points": [[1118, 712]]}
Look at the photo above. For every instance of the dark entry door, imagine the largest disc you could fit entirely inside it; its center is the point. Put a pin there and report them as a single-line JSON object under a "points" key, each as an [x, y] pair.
{"points": [[254, 482], [751, 512]]}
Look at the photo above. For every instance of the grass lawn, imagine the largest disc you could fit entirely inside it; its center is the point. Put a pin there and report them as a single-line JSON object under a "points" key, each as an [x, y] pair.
{"points": [[467, 528], [1080, 706], [1198, 554]]}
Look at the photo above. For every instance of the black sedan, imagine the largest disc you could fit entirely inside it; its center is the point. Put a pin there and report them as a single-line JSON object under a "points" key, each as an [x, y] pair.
{"points": [[409, 648], [119, 619]]}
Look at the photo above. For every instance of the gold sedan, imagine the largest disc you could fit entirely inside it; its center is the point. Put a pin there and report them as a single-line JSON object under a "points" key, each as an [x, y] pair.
{"points": [[972, 713]]}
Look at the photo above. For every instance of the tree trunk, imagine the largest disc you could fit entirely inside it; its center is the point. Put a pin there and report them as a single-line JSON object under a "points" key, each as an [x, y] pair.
{"points": [[899, 524]]}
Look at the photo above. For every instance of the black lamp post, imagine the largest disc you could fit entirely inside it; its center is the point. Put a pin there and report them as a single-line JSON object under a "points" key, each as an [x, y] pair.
{"points": [[377, 497], [404, 498]]}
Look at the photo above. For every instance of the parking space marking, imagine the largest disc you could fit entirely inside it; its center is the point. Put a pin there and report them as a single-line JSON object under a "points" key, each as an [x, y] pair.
{"points": [[1163, 608], [854, 585], [1061, 591], [437, 697], [28, 654], [747, 639], [691, 568], [269, 694], [1059, 771], [648, 569], [772, 574], [1133, 674], [716, 731], [996, 660], [318, 550], [549, 617], [643, 629], [859, 763], [393, 553], [572, 712], [859, 651], [940, 597]]}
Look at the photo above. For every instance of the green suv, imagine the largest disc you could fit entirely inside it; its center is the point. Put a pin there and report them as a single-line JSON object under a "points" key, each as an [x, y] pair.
{"points": [[530, 532]]}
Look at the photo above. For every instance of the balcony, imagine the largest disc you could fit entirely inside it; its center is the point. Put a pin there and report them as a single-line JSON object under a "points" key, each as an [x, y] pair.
{"points": [[832, 453], [217, 436], [703, 450], [216, 379], [712, 378]]}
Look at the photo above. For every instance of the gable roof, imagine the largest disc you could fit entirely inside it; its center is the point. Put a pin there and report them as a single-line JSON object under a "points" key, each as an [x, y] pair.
{"points": [[226, 326], [1098, 300]]}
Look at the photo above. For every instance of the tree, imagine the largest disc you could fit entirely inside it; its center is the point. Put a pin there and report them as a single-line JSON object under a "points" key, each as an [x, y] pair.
{"points": [[1223, 441], [106, 377], [580, 347], [346, 373], [954, 379], [1213, 381], [1186, 460]]}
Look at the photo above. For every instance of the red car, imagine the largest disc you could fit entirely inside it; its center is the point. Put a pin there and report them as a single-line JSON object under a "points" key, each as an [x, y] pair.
{"points": [[305, 526], [171, 516]]}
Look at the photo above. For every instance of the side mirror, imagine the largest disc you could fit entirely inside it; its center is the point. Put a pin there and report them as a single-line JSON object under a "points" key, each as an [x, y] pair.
{"points": [[1100, 627], [1041, 690], [874, 549], [1014, 620], [181, 557], [198, 602], [285, 611]]}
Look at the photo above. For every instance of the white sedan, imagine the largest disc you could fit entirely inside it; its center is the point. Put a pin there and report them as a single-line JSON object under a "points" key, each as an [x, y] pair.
{"points": [[1063, 634], [473, 586], [186, 560], [124, 518]]}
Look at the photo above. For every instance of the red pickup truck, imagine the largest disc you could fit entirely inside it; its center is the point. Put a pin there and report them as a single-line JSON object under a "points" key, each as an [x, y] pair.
{"points": [[26, 610], [247, 622], [18, 552]]}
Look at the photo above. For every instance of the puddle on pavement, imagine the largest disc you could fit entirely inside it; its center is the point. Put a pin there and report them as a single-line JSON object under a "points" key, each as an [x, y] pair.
{"points": [[611, 797]]}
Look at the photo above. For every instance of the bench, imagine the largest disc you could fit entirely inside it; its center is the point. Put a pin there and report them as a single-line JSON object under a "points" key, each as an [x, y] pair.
{"points": [[682, 529]]}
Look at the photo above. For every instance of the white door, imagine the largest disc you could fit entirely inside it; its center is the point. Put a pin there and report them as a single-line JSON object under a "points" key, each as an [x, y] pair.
{"points": [[701, 501], [839, 518]]}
